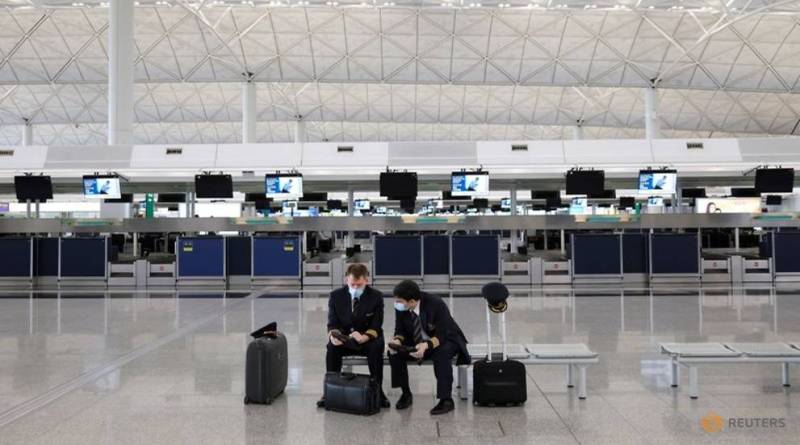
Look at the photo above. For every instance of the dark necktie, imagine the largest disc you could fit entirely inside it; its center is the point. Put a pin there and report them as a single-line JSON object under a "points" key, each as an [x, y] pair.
{"points": [[355, 305], [417, 324]]}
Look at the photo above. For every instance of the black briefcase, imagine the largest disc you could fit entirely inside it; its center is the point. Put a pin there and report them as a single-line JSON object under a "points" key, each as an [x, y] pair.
{"points": [[266, 368], [351, 393], [499, 382], [496, 380]]}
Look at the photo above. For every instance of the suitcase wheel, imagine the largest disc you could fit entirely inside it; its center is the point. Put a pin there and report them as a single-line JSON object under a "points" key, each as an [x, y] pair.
{"points": [[246, 400]]}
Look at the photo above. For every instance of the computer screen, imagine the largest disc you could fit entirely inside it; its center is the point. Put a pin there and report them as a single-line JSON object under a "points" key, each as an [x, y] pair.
{"points": [[693, 193], [655, 201], [578, 206], [469, 184], [774, 200], [774, 180], [213, 186], [657, 181], [505, 203], [398, 185], [284, 186], [361, 204], [627, 202], [585, 182], [104, 187], [33, 188]]}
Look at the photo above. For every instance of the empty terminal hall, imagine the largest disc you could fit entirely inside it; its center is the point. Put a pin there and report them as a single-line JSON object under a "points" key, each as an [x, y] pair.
{"points": [[388, 222]]}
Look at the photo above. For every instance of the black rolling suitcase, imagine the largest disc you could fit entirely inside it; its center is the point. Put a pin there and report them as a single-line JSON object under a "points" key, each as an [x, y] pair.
{"points": [[498, 381], [351, 393], [267, 367]]}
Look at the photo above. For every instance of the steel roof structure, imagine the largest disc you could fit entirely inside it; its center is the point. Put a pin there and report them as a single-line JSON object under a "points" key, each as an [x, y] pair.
{"points": [[367, 71]]}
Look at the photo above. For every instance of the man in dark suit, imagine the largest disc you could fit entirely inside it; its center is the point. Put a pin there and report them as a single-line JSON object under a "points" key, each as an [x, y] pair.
{"points": [[424, 321], [355, 326]]}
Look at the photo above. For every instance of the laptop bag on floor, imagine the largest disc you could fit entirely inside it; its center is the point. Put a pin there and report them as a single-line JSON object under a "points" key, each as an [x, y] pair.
{"points": [[267, 368], [498, 381], [351, 393]]}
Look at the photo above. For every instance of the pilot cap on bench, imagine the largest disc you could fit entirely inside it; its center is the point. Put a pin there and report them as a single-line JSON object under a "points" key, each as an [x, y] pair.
{"points": [[496, 295]]}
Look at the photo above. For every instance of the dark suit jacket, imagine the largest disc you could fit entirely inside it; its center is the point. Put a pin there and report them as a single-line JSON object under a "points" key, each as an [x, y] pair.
{"points": [[436, 322], [367, 320]]}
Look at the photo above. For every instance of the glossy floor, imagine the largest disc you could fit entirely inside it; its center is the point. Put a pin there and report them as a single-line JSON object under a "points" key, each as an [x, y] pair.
{"points": [[89, 367]]}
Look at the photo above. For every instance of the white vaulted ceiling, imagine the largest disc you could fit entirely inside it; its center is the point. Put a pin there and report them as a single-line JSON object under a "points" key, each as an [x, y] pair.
{"points": [[406, 70]]}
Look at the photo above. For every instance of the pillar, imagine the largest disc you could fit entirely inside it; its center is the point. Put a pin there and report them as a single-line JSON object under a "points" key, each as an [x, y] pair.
{"points": [[120, 72], [27, 134], [248, 112], [652, 128]]}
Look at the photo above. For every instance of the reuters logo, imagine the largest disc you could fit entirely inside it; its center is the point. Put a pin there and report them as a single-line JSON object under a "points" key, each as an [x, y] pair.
{"points": [[711, 422]]}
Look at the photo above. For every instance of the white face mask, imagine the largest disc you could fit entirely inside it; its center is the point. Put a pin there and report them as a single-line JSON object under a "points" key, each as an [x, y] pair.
{"points": [[355, 292]]}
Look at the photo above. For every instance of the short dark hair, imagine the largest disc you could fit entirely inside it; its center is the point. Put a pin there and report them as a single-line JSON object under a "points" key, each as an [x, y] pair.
{"points": [[357, 271], [407, 290]]}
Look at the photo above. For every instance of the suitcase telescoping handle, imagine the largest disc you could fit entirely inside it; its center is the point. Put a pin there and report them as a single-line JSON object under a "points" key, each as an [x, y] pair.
{"points": [[489, 335]]}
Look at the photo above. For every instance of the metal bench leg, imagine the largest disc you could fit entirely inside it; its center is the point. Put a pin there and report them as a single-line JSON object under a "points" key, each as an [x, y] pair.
{"points": [[582, 382], [675, 373], [463, 382], [785, 374], [570, 376], [693, 391]]}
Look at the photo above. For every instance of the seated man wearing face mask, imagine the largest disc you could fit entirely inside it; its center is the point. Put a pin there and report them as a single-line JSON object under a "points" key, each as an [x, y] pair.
{"points": [[355, 326], [423, 323]]}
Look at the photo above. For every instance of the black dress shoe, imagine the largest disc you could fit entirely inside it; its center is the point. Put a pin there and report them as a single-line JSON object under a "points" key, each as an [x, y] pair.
{"points": [[405, 401], [444, 406], [384, 401], [321, 403]]}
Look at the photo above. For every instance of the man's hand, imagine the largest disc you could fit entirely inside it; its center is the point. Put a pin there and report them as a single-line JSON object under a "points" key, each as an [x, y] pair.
{"points": [[334, 341], [420, 352], [393, 341], [359, 337]]}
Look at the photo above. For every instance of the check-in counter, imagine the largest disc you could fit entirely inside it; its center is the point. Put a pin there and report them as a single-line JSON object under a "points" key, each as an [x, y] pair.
{"points": [[239, 260], [756, 270], [397, 258], [319, 270], [200, 261], [550, 267], [122, 273], [160, 270], [83, 261], [516, 269], [16, 261], [596, 258], [436, 260], [675, 258], [474, 259], [277, 260], [716, 269], [784, 247]]}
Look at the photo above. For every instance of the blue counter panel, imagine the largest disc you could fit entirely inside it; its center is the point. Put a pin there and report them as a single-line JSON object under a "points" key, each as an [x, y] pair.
{"points": [[675, 253], [15, 260], [436, 252], [398, 256], [238, 255], [45, 256], [475, 255], [83, 257], [276, 256], [596, 254], [201, 257], [787, 252], [634, 253]]}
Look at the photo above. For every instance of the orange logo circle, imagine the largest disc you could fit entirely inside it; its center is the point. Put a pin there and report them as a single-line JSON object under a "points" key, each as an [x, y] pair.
{"points": [[711, 422]]}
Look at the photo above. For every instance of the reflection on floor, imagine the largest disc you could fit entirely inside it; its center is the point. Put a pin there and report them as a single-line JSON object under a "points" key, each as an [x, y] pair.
{"points": [[90, 367]]}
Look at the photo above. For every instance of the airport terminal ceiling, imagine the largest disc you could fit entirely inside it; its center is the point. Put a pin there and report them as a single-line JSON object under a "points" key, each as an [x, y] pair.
{"points": [[386, 71]]}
